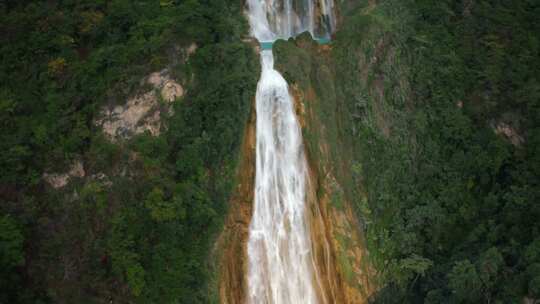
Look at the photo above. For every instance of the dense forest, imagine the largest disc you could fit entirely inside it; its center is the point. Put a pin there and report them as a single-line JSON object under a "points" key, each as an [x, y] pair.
{"points": [[145, 235], [447, 135], [442, 103]]}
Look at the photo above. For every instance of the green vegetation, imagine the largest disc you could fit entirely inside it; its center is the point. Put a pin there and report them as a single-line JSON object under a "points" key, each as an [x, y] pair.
{"points": [[417, 89], [139, 227], [452, 210], [413, 93]]}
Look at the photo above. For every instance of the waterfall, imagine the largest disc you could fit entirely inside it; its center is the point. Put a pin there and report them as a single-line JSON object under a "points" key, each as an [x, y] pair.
{"points": [[282, 19], [280, 261]]}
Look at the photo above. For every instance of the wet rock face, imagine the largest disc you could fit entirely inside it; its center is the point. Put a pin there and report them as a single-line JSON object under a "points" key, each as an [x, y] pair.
{"points": [[142, 112], [338, 241]]}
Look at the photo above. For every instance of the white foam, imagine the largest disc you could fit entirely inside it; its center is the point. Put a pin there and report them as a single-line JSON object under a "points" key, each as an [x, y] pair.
{"points": [[280, 260]]}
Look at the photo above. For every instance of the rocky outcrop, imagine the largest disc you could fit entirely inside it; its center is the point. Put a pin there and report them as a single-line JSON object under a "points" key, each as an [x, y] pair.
{"points": [[528, 300], [59, 180], [508, 132], [169, 89], [141, 113]]}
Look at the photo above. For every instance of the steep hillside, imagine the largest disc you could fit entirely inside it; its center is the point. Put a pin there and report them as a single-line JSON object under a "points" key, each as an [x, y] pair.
{"points": [[432, 108], [310, 70], [121, 127], [127, 150]]}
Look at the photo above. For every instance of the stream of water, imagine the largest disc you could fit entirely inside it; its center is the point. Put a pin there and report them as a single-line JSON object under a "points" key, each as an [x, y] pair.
{"points": [[280, 262]]}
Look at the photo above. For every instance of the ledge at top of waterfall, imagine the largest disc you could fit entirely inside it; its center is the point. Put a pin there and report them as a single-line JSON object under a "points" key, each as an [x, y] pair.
{"points": [[282, 19], [267, 45]]}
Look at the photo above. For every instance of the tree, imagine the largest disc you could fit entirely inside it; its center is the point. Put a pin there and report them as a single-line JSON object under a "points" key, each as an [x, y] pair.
{"points": [[11, 256], [465, 282], [11, 244], [160, 209]]}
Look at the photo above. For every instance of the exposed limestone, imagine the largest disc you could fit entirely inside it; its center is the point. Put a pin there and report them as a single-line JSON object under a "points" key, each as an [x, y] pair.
{"points": [[504, 129], [102, 178], [125, 121], [171, 91], [59, 180], [141, 113], [191, 49], [56, 180]]}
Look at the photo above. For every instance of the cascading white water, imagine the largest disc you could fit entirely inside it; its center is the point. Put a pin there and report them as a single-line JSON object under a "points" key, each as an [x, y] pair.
{"points": [[279, 246], [281, 266], [282, 19]]}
